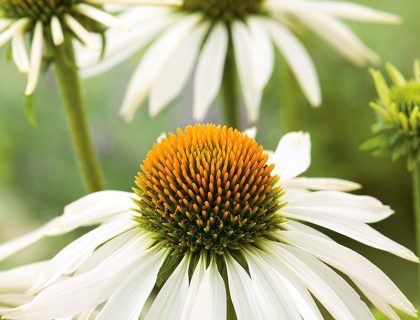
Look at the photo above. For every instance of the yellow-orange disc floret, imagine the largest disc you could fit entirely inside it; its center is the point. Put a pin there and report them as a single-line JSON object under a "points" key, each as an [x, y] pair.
{"points": [[208, 188]]}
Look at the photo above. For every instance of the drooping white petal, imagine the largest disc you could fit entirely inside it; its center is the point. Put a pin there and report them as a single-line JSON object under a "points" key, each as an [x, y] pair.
{"points": [[195, 284], [19, 51], [298, 59], [292, 156], [11, 28], [210, 302], [57, 31], [354, 11], [322, 184], [380, 304], [74, 253], [100, 16], [357, 267], [145, 23], [85, 36], [13, 246], [153, 63], [12, 300], [351, 228], [170, 301], [103, 252], [329, 288], [272, 295], [209, 73], [335, 203], [85, 291], [251, 132], [244, 59], [241, 291], [5, 23], [177, 70], [340, 37], [89, 210], [20, 279], [295, 287], [128, 300], [263, 53], [35, 61]]}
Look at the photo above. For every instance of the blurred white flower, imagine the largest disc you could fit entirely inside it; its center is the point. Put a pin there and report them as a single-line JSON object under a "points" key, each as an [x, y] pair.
{"points": [[46, 23], [215, 224], [200, 34]]}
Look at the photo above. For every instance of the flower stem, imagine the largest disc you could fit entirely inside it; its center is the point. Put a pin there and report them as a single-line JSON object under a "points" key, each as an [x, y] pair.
{"points": [[416, 190], [291, 113], [69, 83], [230, 99]]}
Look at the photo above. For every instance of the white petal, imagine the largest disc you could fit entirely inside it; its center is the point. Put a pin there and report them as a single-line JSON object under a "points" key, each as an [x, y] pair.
{"points": [[153, 63], [145, 24], [13, 246], [241, 291], [361, 208], [355, 12], [322, 184], [210, 303], [293, 155], [263, 53], [242, 42], [35, 59], [352, 264], [328, 287], [209, 73], [170, 301], [89, 210], [303, 299], [57, 31], [340, 37], [72, 255], [128, 300], [177, 70], [196, 280], [85, 291], [298, 59], [22, 278], [85, 36], [271, 293], [8, 33], [100, 16], [20, 53], [351, 228], [251, 132]]}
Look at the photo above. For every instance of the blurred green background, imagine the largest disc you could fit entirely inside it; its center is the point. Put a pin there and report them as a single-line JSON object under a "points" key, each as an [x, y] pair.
{"points": [[38, 174]]}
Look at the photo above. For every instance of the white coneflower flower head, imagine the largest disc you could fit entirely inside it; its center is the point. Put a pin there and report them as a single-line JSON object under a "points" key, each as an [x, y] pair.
{"points": [[218, 235], [200, 36], [48, 22]]}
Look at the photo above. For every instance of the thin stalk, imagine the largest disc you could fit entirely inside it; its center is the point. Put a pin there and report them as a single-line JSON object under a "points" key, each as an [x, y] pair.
{"points": [[416, 190], [69, 83], [230, 98], [291, 112]]}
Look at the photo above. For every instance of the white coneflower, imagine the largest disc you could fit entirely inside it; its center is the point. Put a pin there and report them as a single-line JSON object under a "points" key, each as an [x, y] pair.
{"points": [[47, 22], [217, 36], [217, 233]]}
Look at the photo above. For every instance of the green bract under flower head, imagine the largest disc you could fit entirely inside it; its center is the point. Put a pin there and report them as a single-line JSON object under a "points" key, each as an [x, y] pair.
{"points": [[224, 9], [398, 109], [208, 188]]}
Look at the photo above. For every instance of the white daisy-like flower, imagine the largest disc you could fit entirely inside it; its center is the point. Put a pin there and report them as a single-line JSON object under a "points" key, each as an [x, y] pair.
{"points": [[216, 234], [45, 24], [208, 35]]}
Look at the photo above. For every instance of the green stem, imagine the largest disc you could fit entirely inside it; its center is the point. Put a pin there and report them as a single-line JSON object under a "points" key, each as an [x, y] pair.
{"points": [[416, 190], [69, 83], [291, 113], [230, 98]]}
